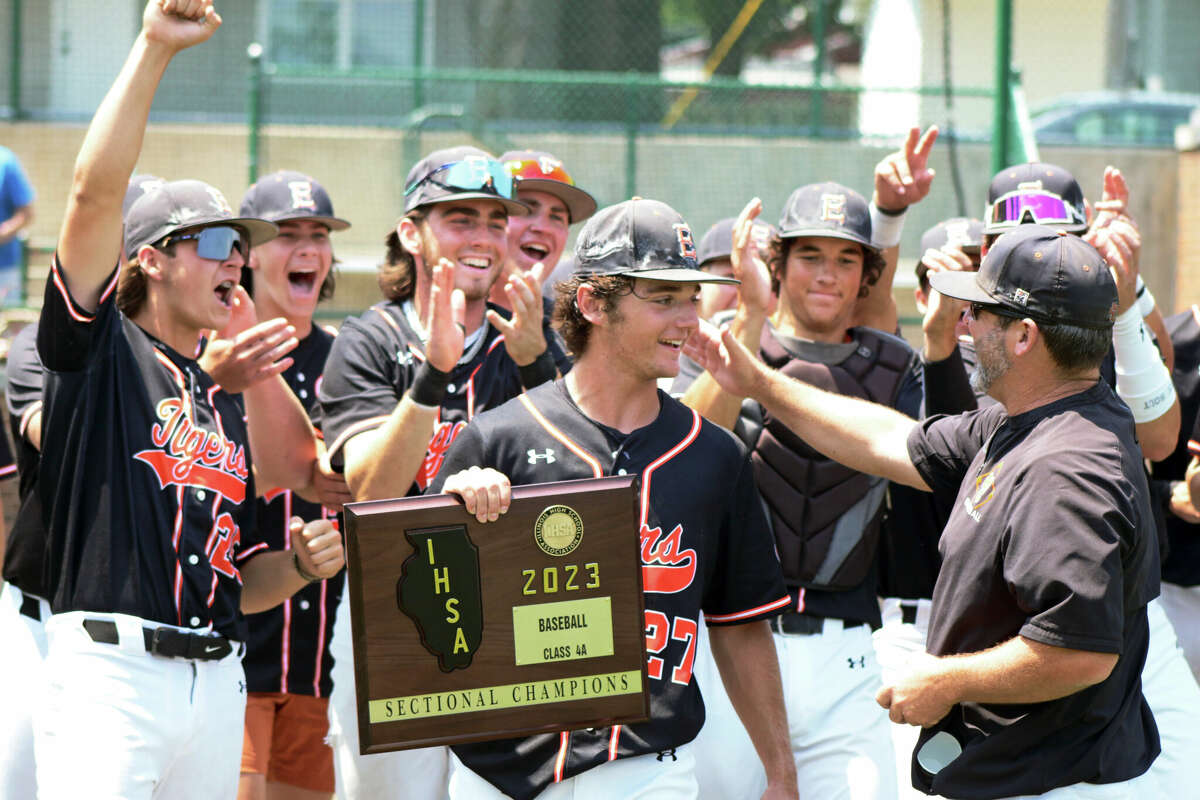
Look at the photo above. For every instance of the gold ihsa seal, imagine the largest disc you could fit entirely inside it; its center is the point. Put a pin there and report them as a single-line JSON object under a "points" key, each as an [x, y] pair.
{"points": [[558, 530]]}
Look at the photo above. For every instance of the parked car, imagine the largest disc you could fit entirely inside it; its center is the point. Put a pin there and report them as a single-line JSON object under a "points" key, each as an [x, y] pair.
{"points": [[1113, 118]]}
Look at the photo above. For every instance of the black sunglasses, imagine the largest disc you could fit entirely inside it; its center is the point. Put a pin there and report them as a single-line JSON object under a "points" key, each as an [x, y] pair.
{"points": [[214, 243], [999, 311]]}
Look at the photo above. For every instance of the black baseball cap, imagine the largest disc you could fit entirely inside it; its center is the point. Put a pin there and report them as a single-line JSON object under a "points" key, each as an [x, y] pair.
{"points": [[641, 239], [138, 186], [1039, 272], [288, 195], [1038, 193], [460, 173], [827, 209], [966, 233], [178, 205], [542, 172], [717, 242]]}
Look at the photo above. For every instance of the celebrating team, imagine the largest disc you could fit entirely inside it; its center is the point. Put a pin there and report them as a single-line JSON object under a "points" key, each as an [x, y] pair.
{"points": [[964, 540]]}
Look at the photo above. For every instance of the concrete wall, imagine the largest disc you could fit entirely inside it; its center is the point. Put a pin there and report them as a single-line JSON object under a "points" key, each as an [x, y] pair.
{"points": [[705, 178]]}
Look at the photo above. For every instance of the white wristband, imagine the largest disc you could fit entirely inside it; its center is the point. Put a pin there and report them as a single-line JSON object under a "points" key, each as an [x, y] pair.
{"points": [[1145, 300], [1143, 381], [886, 228]]}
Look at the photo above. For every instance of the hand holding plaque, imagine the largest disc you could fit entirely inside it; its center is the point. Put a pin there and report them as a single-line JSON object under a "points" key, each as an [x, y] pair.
{"points": [[465, 631]]}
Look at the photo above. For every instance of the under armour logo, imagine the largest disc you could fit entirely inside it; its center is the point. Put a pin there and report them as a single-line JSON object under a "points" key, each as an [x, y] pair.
{"points": [[833, 207], [403, 358], [241, 687], [547, 455], [302, 194], [663, 753], [861, 662]]}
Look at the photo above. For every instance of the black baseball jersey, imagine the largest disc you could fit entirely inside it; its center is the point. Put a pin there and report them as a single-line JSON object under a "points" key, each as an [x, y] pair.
{"points": [[1051, 537], [859, 603], [145, 480], [24, 557], [705, 546], [374, 360], [288, 646], [1181, 563]]}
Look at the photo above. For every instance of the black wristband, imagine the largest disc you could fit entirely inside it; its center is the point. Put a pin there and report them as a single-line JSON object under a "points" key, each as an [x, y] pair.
{"points": [[308, 576], [429, 386], [538, 371], [888, 212]]}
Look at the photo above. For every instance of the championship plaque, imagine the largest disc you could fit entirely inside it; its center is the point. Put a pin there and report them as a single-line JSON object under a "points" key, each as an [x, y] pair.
{"points": [[465, 631]]}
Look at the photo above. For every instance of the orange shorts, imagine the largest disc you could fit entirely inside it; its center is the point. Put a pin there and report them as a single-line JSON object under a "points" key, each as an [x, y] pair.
{"points": [[285, 740]]}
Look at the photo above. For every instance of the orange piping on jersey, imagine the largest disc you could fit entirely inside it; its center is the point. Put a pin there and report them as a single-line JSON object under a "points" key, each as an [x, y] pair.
{"points": [[780, 603], [658, 462], [612, 742], [77, 313], [588, 458], [560, 763]]}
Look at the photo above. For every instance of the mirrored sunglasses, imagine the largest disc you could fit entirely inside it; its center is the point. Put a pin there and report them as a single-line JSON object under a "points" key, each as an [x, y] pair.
{"points": [[1044, 208], [215, 243], [474, 174], [541, 169]]}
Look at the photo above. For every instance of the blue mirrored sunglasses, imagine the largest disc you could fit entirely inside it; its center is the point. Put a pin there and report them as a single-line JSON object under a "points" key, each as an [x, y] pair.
{"points": [[472, 174], [215, 243]]}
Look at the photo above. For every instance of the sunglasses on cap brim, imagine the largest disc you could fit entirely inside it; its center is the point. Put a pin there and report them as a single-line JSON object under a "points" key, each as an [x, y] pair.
{"points": [[1041, 207], [215, 243], [473, 174], [538, 169]]}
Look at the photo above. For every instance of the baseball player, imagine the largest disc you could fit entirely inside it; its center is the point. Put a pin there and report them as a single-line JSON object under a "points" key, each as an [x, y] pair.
{"points": [[826, 518], [624, 315], [539, 237], [287, 659], [25, 609], [405, 377], [1039, 629], [145, 480]]}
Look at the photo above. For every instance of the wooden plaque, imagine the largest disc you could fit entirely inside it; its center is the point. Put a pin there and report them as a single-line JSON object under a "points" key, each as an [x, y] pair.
{"points": [[465, 631]]}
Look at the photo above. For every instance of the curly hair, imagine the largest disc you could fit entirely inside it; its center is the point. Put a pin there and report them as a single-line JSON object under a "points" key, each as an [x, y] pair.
{"points": [[569, 320], [778, 249], [398, 272]]}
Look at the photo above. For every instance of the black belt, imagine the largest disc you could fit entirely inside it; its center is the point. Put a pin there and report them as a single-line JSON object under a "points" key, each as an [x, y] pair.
{"points": [[793, 622], [166, 642], [30, 607]]}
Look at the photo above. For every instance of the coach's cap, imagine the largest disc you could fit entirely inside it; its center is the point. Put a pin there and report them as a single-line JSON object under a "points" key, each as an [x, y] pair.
{"points": [[1039, 193], [717, 242], [1042, 273], [174, 206], [542, 172], [138, 186], [827, 209], [288, 195], [460, 173], [642, 239]]}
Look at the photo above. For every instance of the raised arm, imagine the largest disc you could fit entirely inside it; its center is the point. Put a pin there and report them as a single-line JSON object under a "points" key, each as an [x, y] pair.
{"points": [[383, 462], [705, 395], [864, 436], [89, 243], [902, 179]]}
